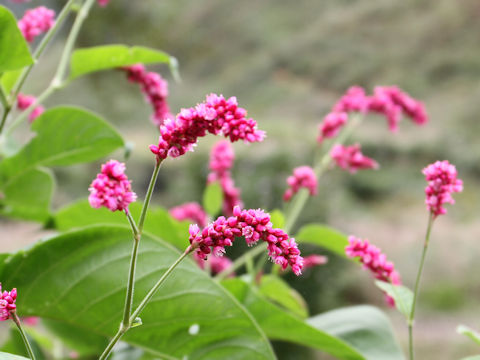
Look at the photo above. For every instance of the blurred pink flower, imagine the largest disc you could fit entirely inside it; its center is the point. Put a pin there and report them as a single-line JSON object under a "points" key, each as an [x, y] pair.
{"points": [[351, 158], [331, 125], [303, 177], [217, 264], [24, 102], [35, 22], [103, 3], [190, 211], [314, 260]]}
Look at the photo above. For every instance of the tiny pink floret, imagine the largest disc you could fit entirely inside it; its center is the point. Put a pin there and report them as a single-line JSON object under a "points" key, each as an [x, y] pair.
{"points": [[36, 22], [351, 158], [255, 225], [111, 188], [303, 177], [217, 115], [7, 303], [25, 101], [190, 211], [442, 183]]}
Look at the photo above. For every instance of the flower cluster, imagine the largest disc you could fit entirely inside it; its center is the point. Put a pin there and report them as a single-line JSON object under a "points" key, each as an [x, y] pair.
{"points": [[24, 102], [190, 211], [372, 259], [155, 89], [221, 161], [216, 115], [389, 101], [35, 22], [7, 303], [254, 225], [303, 177], [442, 182], [111, 188], [351, 158]]}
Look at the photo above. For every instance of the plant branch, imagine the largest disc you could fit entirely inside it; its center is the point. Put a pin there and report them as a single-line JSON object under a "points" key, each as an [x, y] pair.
{"points": [[17, 322], [148, 196]]}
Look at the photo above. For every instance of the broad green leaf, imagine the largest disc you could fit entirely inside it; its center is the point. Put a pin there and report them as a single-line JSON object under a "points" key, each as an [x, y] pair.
{"points": [[323, 236], [79, 278], [158, 221], [277, 218], [365, 328], [278, 291], [402, 295], [89, 60], [65, 136], [469, 332], [212, 198], [29, 196], [9, 79], [280, 325], [15, 53], [6, 356]]}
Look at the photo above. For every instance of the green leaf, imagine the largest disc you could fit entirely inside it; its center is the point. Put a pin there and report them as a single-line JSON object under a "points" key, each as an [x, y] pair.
{"points": [[79, 278], [277, 218], [65, 136], [280, 325], [213, 198], [323, 236], [98, 58], [15, 53], [29, 196], [402, 295], [366, 328], [469, 332], [278, 291], [9, 79], [6, 356], [158, 221]]}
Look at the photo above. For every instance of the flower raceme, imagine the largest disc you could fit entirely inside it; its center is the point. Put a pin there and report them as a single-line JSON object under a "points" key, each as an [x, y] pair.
{"points": [[217, 115], [24, 102], [303, 177], [254, 225], [155, 89], [111, 188], [36, 22], [221, 162], [351, 158], [442, 182], [7, 303], [190, 211]]}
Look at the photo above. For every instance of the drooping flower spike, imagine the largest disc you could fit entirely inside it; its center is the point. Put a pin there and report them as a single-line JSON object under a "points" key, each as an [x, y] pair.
{"points": [[111, 188], [221, 162], [254, 225], [36, 22], [217, 115], [155, 89], [7, 303], [303, 177], [24, 102], [442, 183], [351, 158], [372, 259], [190, 211]]}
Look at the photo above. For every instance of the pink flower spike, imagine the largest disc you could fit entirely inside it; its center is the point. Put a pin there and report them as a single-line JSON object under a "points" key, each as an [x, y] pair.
{"points": [[255, 225], [7, 303], [413, 108], [372, 259], [111, 188], [190, 211], [351, 158], [36, 22], [442, 183], [331, 125], [216, 115], [354, 100], [303, 177]]}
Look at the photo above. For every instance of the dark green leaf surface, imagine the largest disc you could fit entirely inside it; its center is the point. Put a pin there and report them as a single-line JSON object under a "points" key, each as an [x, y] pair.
{"points": [[323, 236], [29, 196], [402, 295], [366, 328], [65, 136], [212, 198], [89, 60], [158, 221], [280, 325], [15, 53], [79, 278]]}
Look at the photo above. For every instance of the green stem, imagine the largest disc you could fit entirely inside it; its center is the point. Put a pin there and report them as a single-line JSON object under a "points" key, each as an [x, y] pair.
{"points": [[16, 320], [148, 196], [125, 327], [417, 285], [131, 275], [3, 97]]}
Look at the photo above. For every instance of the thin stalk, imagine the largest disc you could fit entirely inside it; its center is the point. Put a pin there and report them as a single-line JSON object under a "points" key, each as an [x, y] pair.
{"points": [[124, 328], [3, 97], [6, 108], [417, 285], [131, 275], [17, 322], [148, 196]]}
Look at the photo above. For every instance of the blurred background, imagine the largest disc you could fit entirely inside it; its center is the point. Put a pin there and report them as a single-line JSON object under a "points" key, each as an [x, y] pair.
{"points": [[288, 62]]}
